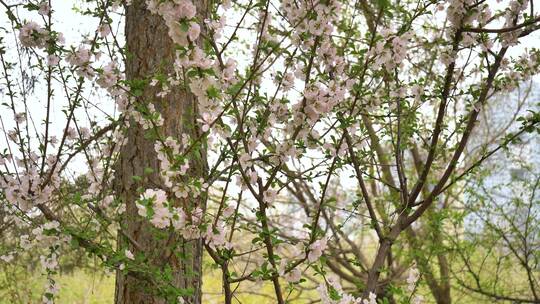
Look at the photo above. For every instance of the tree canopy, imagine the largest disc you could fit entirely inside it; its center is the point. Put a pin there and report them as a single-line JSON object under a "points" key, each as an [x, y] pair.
{"points": [[296, 151]]}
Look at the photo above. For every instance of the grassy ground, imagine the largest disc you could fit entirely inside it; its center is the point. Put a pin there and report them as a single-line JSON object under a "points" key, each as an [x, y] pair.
{"points": [[75, 288], [19, 286], [85, 288], [82, 287]]}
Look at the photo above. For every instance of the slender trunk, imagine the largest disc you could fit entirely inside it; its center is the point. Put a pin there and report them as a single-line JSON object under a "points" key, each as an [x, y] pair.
{"points": [[150, 51], [444, 296], [385, 245], [375, 271]]}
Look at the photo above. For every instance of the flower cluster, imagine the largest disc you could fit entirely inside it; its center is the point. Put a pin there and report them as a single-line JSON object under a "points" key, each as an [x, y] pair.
{"points": [[109, 77], [33, 35], [155, 205], [217, 236], [147, 116], [321, 99], [179, 17], [510, 38], [390, 55], [28, 189], [81, 59], [332, 293], [316, 249]]}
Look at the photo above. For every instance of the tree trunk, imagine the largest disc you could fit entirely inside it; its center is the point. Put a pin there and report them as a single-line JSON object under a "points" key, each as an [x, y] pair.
{"points": [[151, 51]]}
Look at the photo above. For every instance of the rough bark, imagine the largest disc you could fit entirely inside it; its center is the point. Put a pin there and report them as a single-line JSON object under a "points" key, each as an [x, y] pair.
{"points": [[150, 50]]}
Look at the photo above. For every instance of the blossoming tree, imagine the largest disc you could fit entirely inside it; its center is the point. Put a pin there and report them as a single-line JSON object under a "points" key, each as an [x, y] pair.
{"points": [[293, 142]]}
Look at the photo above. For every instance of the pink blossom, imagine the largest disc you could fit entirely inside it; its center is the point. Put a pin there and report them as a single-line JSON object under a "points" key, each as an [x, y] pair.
{"points": [[104, 30], [129, 255], [32, 35], [109, 77], [194, 31], [269, 196], [316, 249], [293, 276], [52, 60], [228, 211], [44, 8]]}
